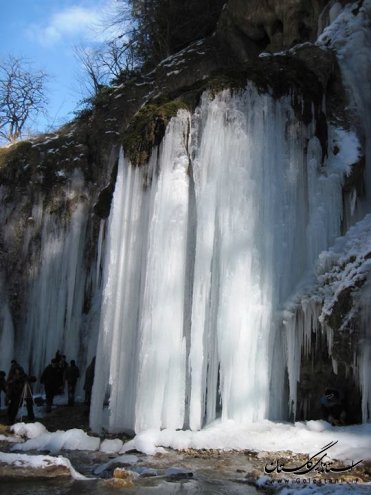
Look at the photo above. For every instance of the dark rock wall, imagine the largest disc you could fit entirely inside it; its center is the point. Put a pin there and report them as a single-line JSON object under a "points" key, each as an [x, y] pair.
{"points": [[249, 27]]}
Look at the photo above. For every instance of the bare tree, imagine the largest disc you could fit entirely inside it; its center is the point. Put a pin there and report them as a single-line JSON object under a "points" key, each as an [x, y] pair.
{"points": [[93, 71], [101, 66], [22, 96], [118, 57]]}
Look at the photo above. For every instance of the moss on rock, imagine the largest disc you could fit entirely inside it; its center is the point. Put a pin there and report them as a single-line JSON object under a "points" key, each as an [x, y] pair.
{"points": [[147, 129]]}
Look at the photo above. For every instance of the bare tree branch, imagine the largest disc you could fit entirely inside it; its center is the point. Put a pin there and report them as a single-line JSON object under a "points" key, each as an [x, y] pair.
{"points": [[22, 96]]}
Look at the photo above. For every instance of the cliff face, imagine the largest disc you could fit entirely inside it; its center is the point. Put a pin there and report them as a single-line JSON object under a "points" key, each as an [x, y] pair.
{"points": [[56, 193], [249, 27]]}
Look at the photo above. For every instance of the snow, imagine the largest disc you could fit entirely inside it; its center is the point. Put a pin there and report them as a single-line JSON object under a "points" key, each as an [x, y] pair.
{"points": [[28, 430], [178, 59], [74, 439], [351, 253], [39, 461], [173, 72], [302, 437], [353, 442], [344, 149], [350, 36], [111, 446], [9, 439]]}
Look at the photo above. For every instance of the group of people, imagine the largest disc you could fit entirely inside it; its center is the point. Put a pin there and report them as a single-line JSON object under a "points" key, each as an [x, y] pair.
{"points": [[17, 386], [54, 377]]}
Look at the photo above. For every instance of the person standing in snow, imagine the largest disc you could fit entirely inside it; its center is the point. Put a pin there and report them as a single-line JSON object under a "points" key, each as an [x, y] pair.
{"points": [[27, 396], [72, 374], [89, 380], [62, 366], [13, 367], [19, 390], [51, 379], [2, 383], [58, 356]]}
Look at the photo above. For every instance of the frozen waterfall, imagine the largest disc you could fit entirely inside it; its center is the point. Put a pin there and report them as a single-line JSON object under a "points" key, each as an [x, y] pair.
{"points": [[59, 291], [204, 247]]}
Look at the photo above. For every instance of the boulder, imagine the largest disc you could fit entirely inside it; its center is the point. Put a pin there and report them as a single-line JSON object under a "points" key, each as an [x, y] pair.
{"points": [[18, 471]]}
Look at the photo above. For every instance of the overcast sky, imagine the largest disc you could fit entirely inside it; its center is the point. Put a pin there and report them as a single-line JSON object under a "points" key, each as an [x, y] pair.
{"points": [[45, 32]]}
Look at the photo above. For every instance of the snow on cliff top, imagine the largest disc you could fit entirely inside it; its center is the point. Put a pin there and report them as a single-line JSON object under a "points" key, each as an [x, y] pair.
{"points": [[349, 34]]}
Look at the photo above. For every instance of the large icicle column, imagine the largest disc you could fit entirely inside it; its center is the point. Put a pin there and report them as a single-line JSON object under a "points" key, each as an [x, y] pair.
{"points": [[143, 299], [206, 244]]}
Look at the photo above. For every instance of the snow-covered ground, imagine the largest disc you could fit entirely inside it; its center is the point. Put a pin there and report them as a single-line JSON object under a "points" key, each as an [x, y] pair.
{"points": [[306, 437], [353, 442], [39, 462], [350, 444]]}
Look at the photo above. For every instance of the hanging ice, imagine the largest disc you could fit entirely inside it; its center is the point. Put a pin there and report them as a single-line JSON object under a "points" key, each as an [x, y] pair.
{"points": [[206, 245], [7, 332], [54, 313], [143, 300]]}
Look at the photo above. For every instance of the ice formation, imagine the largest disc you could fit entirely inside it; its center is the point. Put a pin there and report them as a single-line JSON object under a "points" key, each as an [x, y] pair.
{"points": [[204, 249], [350, 36], [58, 275], [213, 279]]}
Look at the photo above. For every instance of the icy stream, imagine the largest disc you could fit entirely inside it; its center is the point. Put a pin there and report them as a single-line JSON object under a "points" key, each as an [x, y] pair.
{"points": [[192, 487]]}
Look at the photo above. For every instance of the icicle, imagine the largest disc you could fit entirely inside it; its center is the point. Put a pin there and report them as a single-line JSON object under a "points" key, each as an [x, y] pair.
{"points": [[6, 332], [56, 294], [364, 362], [330, 339], [143, 298], [99, 253], [161, 374], [251, 224]]}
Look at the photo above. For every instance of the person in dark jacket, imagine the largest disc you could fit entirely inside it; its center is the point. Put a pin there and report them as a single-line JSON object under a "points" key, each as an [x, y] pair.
{"points": [[72, 374], [62, 366], [51, 379], [14, 366], [58, 356], [89, 380], [15, 384], [28, 396], [2, 383]]}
